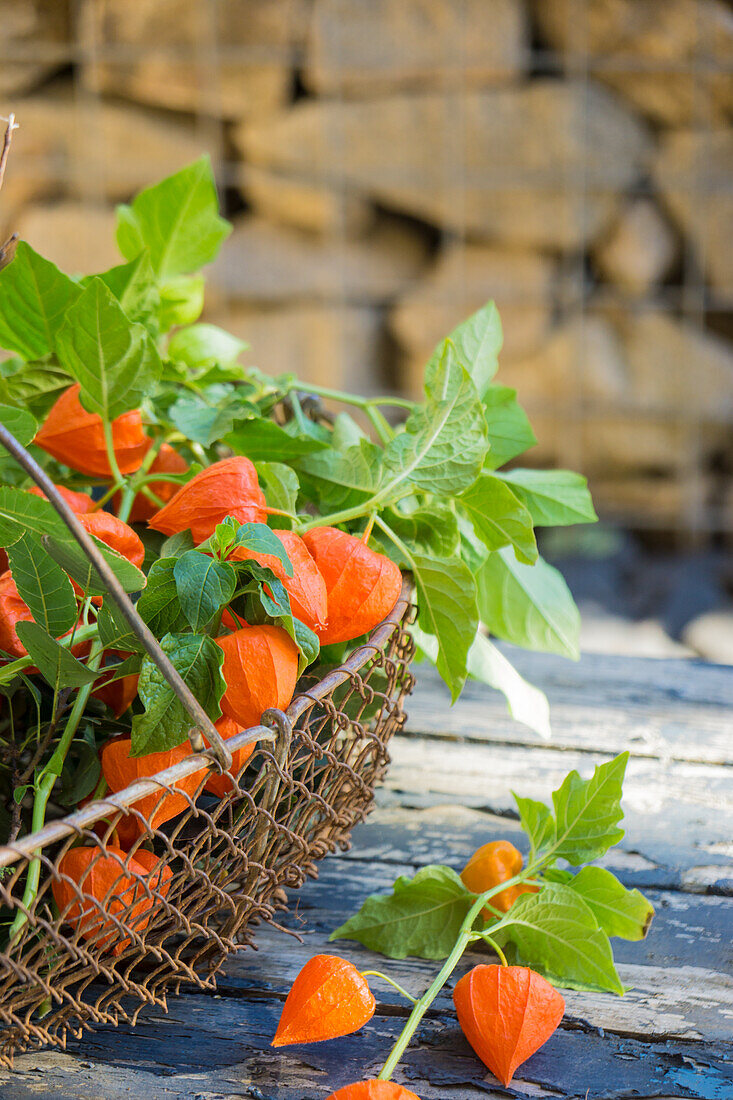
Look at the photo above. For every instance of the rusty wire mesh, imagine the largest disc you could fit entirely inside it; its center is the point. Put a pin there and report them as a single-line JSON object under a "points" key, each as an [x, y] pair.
{"points": [[225, 862]]}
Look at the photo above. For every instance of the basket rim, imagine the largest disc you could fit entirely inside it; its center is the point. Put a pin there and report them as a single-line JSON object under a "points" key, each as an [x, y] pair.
{"points": [[31, 844]]}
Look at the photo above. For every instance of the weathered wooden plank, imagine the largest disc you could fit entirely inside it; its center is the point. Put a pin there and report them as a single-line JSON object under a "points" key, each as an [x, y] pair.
{"points": [[672, 710], [678, 814], [212, 1048], [446, 833]]}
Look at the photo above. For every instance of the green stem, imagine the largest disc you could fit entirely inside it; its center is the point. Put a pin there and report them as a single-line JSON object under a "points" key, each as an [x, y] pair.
{"points": [[111, 456], [350, 398], [389, 981], [46, 783], [137, 480], [7, 672], [396, 540], [465, 935], [380, 424]]}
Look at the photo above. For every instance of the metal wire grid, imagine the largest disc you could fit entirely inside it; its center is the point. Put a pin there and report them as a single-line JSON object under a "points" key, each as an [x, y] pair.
{"points": [[224, 864], [577, 292]]}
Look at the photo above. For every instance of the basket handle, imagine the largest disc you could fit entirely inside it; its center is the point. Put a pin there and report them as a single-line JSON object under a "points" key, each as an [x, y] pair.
{"points": [[201, 720]]}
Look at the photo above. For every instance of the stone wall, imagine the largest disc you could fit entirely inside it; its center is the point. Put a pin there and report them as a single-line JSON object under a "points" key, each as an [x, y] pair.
{"points": [[391, 164]]}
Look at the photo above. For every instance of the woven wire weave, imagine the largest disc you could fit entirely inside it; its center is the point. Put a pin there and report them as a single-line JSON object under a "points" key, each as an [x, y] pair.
{"points": [[225, 863]]}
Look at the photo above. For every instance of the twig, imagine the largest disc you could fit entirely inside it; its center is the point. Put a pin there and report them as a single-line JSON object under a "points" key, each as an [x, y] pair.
{"points": [[8, 249], [12, 125]]}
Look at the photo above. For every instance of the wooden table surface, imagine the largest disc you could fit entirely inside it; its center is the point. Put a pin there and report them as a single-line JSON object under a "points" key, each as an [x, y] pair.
{"points": [[446, 793]]}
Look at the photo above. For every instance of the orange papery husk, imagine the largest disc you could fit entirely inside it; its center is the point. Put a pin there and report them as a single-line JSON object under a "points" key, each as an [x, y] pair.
{"points": [[328, 998], [506, 1013], [260, 669], [491, 865], [373, 1090], [226, 488], [81, 503], [120, 770], [116, 534], [167, 461], [221, 784], [306, 588], [75, 437], [362, 585], [109, 889], [14, 610], [117, 694]]}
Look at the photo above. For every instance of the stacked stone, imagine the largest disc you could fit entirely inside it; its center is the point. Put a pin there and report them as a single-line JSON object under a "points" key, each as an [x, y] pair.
{"points": [[391, 164]]}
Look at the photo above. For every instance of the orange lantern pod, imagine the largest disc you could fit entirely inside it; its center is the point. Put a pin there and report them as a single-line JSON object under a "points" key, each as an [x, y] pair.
{"points": [[116, 534], [75, 437], [306, 587], [260, 669], [362, 585], [329, 998], [120, 770], [226, 488], [222, 784], [109, 891], [373, 1090], [78, 502], [506, 1013], [489, 866]]}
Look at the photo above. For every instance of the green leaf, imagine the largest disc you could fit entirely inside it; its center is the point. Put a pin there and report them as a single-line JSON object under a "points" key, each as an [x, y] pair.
{"points": [[446, 599], [22, 512], [34, 295], [207, 416], [181, 301], [115, 362], [204, 586], [258, 538], [431, 530], [537, 821], [56, 664], [587, 812], [166, 722], [510, 433], [526, 703], [32, 386], [555, 498], [203, 344], [43, 585], [159, 605], [274, 604], [478, 341], [343, 478], [114, 630], [528, 605], [19, 423], [264, 439], [473, 551], [81, 771], [555, 933], [444, 442], [72, 558], [280, 485], [177, 220], [421, 917], [619, 912], [133, 285], [499, 517], [176, 545]]}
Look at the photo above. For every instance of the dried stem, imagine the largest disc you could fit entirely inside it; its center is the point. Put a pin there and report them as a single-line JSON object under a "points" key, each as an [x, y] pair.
{"points": [[12, 125]]}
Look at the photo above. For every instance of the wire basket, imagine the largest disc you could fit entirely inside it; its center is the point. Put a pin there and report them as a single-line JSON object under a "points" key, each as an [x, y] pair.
{"points": [[224, 862]]}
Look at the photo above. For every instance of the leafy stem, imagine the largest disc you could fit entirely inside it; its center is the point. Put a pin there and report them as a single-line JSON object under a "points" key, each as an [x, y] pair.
{"points": [[349, 398], [465, 936], [389, 981], [137, 481], [111, 456], [45, 784]]}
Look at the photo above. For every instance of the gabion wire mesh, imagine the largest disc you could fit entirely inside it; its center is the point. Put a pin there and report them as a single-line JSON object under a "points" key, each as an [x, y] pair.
{"points": [[225, 863]]}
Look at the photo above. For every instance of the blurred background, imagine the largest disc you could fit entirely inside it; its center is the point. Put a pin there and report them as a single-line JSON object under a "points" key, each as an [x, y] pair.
{"points": [[389, 165]]}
